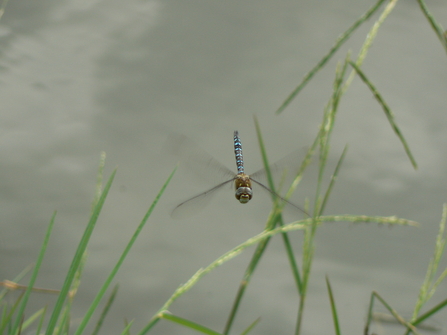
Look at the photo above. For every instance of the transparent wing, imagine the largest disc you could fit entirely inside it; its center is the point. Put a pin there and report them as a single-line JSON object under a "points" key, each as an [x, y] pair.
{"points": [[193, 205], [198, 161], [289, 164], [287, 202]]}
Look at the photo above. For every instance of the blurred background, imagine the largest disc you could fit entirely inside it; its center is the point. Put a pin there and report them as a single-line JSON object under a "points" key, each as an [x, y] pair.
{"points": [[81, 77]]}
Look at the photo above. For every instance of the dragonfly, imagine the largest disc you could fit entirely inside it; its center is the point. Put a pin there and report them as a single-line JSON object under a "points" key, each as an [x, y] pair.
{"points": [[242, 181]]}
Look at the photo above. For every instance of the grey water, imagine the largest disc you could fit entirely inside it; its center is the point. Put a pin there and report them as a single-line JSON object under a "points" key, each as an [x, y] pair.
{"points": [[78, 78]]}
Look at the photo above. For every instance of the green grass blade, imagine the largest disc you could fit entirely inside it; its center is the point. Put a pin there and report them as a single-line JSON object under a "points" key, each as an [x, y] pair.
{"points": [[260, 248], [393, 312], [111, 276], [77, 258], [27, 323], [429, 285], [430, 312], [338, 43], [3, 318], [188, 324], [63, 328], [277, 218], [265, 161], [7, 316], [99, 178], [323, 140], [42, 319], [105, 310], [327, 126], [333, 307], [333, 180], [370, 39], [389, 114], [369, 315], [126, 330], [34, 274], [439, 30], [250, 327]]}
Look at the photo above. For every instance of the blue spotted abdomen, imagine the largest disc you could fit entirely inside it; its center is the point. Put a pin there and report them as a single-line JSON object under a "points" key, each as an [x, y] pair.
{"points": [[238, 152]]}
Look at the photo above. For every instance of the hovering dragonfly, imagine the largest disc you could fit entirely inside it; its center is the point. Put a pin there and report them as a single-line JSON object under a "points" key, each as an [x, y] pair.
{"points": [[242, 181]]}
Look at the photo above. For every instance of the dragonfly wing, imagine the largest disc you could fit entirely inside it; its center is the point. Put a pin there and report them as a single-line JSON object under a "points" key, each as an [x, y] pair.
{"points": [[193, 205], [289, 164], [276, 195], [198, 161]]}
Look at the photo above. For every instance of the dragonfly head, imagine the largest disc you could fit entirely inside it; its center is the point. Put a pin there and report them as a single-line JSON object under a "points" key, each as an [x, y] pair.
{"points": [[244, 194]]}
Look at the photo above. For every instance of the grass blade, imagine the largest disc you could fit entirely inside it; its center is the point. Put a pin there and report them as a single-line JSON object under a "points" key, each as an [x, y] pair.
{"points": [[189, 324], [338, 43], [250, 327], [39, 260], [389, 114], [393, 312], [42, 319], [430, 313], [126, 330], [333, 307], [5, 321], [333, 179], [429, 285], [105, 310], [78, 257], [439, 30], [111, 276]]}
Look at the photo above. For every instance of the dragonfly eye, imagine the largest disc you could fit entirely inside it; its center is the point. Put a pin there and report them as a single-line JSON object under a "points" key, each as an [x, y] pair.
{"points": [[244, 194]]}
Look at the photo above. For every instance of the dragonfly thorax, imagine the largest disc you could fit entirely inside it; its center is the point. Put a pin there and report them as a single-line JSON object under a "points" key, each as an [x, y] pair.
{"points": [[242, 184]]}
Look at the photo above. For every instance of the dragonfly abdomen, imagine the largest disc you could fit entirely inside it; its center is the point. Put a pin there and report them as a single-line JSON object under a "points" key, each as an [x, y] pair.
{"points": [[238, 153]]}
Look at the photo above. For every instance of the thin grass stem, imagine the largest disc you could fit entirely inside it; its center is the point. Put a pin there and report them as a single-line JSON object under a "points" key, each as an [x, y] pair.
{"points": [[437, 27]]}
